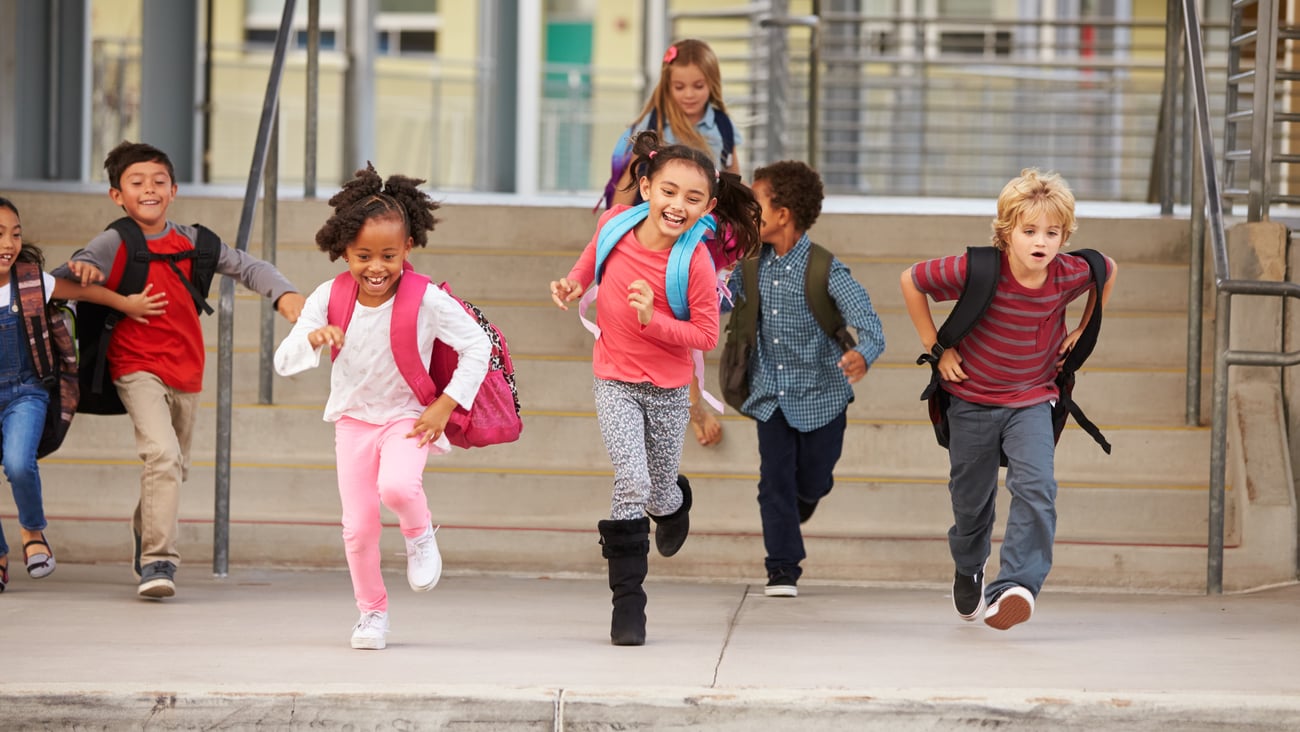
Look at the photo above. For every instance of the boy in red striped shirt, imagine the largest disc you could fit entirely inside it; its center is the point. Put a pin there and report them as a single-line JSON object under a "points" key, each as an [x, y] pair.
{"points": [[1002, 382]]}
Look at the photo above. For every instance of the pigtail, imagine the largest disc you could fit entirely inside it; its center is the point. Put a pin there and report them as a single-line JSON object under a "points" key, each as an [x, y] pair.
{"points": [[367, 196], [739, 213], [645, 146], [416, 204]]}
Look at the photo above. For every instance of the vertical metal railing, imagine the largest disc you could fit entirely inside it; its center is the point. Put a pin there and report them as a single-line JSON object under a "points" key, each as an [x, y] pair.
{"points": [[226, 306]]}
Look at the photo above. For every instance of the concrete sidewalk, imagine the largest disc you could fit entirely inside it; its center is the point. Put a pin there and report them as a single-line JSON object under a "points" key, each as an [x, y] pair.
{"points": [[268, 649]]}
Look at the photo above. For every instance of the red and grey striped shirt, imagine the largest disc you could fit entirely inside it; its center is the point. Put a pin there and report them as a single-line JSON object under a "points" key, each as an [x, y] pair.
{"points": [[1010, 355]]}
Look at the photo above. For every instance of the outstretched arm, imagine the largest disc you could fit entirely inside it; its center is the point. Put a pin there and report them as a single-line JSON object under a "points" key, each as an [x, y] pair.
{"points": [[137, 307]]}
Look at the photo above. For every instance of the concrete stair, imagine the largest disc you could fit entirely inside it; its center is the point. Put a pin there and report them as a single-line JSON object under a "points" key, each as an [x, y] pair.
{"points": [[1136, 518]]}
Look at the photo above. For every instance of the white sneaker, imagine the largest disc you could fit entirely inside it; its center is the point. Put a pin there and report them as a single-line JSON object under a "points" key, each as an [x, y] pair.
{"points": [[423, 562], [1012, 607], [371, 631]]}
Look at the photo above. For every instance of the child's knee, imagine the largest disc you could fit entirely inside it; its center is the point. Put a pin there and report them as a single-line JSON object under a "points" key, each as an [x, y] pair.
{"points": [[399, 494]]}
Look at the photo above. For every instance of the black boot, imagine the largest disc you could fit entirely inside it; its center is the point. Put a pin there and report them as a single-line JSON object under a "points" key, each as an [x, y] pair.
{"points": [[626, 544], [671, 530]]}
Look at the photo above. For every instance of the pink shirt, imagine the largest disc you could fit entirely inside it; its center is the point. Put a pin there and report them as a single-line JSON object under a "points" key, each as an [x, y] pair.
{"points": [[660, 352], [1010, 355]]}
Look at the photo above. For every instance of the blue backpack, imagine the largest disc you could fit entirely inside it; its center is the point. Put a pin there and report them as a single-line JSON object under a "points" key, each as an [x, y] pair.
{"points": [[622, 156], [677, 278]]}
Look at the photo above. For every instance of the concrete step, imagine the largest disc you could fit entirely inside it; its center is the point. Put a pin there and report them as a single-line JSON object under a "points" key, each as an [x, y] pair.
{"points": [[725, 503], [570, 442]]}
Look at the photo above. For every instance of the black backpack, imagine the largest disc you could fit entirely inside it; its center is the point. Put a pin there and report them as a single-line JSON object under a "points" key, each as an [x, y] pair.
{"points": [[983, 267], [742, 326], [95, 323]]}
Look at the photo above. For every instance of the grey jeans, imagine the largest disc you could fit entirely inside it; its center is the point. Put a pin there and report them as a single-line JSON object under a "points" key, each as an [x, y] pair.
{"points": [[979, 435], [644, 427]]}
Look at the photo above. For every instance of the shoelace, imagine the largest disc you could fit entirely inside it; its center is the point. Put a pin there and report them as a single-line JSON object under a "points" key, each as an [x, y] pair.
{"points": [[370, 621], [420, 544]]}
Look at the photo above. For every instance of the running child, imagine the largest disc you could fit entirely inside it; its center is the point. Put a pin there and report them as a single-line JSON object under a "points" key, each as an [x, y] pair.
{"points": [[383, 434], [24, 400], [1002, 383], [642, 358]]}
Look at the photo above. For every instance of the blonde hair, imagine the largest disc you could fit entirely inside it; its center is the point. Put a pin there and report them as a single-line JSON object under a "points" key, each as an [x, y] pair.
{"points": [[1030, 196], [690, 52]]}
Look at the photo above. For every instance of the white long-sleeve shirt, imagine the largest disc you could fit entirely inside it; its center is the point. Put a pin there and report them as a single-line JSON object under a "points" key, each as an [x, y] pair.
{"points": [[365, 383]]}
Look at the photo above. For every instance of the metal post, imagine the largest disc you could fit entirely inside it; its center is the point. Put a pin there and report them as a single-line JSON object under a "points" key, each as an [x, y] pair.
{"points": [[814, 83], [778, 81], [1261, 128], [1195, 283], [1165, 137], [1218, 446], [226, 304], [313, 100], [270, 215], [359, 88]]}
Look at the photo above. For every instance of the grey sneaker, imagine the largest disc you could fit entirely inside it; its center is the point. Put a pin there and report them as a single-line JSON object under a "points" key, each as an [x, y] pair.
{"points": [[158, 580]]}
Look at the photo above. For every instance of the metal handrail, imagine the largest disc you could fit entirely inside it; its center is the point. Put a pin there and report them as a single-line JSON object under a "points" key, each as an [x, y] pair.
{"points": [[226, 307], [1225, 288]]}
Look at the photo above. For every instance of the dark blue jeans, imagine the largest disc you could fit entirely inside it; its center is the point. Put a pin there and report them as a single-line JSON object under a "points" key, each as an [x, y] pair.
{"points": [[793, 465]]}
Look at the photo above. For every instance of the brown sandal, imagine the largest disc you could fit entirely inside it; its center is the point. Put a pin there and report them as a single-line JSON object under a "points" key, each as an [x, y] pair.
{"points": [[39, 564]]}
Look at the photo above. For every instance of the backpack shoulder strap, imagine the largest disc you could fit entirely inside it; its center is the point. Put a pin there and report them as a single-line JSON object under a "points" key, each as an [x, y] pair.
{"points": [[983, 267], [614, 230], [749, 278], [30, 296], [402, 335], [728, 132], [137, 255], [205, 263], [816, 289], [677, 279], [343, 295], [1088, 339]]}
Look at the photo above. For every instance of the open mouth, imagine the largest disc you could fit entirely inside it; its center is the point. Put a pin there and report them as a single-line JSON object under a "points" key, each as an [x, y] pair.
{"points": [[674, 219], [377, 281]]}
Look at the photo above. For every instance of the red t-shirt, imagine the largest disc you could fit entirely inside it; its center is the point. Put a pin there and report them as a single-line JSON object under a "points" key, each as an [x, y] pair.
{"points": [[170, 345], [1010, 355]]}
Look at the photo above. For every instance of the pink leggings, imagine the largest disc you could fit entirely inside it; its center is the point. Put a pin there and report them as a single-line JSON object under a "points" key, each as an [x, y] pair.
{"points": [[377, 463]]}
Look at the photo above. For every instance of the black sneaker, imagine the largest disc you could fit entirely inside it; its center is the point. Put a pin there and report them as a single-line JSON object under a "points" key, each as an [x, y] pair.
{"points": [[158, 580], [968, 594], [135, 563], [781, 583], [806, 509]]}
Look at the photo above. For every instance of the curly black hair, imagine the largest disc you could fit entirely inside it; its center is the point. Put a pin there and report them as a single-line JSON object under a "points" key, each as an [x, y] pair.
{"points": [[367, 197], [736, 209], [794, 186]]}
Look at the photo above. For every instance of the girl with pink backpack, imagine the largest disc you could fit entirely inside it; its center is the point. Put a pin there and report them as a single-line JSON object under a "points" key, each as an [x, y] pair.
{"points": [[384, 427]]}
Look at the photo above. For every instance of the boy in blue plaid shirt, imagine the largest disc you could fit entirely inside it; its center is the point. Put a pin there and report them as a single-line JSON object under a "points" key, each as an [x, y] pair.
{"points": [[800, 380]]}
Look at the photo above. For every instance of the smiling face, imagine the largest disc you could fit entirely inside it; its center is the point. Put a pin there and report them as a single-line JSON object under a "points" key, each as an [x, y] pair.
{"points": [[375, 258], [146, 190], [11, 241], [1034, 242], [679, 195], [690, 90], [773, 217]]}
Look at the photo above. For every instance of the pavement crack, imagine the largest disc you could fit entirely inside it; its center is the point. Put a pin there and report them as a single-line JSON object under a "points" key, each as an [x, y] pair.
{"points": [[726, 639]]}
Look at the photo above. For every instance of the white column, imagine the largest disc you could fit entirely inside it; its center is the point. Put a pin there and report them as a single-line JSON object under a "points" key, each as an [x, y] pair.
{"points": [[528, 111]]}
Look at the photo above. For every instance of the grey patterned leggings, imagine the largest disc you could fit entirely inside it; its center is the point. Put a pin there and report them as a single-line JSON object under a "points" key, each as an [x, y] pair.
{"points": [[644, 427]]}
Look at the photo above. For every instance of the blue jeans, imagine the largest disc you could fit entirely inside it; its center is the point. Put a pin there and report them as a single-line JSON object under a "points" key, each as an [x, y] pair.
{"points": [[979, 435], [793, 465], [22, 419]]}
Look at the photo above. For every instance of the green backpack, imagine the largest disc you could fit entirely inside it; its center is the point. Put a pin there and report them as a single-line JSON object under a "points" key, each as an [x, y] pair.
{"points": [[742, 327]]}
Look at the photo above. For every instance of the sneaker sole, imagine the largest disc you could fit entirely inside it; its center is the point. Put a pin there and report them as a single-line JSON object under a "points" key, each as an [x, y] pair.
{"points": [[1012, 611], [781, 591], [157, 589], [424, 588], [367, 644]]}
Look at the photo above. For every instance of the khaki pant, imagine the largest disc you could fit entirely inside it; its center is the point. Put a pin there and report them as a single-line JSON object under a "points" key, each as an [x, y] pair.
{"points": [[164, 427]]}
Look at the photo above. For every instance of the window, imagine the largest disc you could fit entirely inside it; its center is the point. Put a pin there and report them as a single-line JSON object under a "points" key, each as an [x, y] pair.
{"points": [[402, 27]]}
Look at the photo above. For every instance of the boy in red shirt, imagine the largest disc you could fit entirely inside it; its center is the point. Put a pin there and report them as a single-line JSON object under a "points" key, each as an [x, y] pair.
{"points": [[157, 367], [1002, 380]]}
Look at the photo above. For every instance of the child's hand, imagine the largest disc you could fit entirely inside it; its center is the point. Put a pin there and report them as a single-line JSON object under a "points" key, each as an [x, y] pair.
{"points": [[330, 335], [430, 425], [950, 366], [86, 272], [565, 290], [142, 304], [290, 305], [853, 365], [642, 300], [1067, 345]]}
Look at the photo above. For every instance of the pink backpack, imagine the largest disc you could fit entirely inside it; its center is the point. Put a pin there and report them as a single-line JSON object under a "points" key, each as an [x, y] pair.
{"points": [[493, 417]]}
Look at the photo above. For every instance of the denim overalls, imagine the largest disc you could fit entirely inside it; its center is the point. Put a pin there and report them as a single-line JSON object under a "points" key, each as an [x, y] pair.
{"points": [[23, 401]]}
